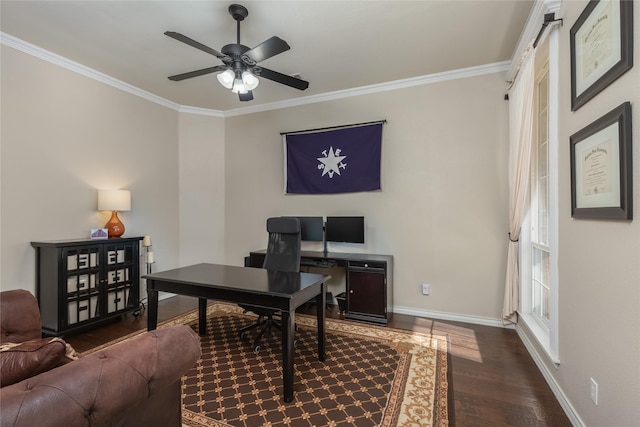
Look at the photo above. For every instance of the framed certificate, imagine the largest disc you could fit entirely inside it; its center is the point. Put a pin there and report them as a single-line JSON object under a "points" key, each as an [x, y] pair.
{"points": [[601, 48], [601, 175]]}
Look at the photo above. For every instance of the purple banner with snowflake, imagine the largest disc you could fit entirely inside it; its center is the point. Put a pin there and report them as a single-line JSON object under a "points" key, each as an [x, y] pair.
{"points": [[344, 160]]}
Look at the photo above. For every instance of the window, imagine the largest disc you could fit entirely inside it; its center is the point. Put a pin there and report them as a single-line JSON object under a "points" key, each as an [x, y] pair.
{"points": [[540, 285], [539, 236]]}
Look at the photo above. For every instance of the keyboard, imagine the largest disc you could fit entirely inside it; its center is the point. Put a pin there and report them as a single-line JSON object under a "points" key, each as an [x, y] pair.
{"points": [[322, 263]]}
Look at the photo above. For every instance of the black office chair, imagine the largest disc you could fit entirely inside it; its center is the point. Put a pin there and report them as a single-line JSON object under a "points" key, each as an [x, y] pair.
{"points": [[283, 254]]}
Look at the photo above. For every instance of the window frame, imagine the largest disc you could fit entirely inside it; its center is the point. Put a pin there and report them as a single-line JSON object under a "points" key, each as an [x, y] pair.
{"points": [[545, 333]]}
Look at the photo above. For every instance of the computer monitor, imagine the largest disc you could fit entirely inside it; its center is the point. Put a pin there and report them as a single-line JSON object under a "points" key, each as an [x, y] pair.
{"points": [[347, 229], [311, 228]]}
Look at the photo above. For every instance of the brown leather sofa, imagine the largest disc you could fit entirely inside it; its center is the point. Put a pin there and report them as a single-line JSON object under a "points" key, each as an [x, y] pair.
{"points": [[133, 383]]}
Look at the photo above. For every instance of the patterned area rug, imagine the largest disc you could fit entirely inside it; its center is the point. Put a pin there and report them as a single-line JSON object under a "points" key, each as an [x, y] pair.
{"points": [[373, 376]]}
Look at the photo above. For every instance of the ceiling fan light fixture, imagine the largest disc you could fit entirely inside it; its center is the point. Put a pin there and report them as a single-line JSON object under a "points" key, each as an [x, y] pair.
{"points": [[250, 80], [227, 78], [239, 87], [240, 72]]}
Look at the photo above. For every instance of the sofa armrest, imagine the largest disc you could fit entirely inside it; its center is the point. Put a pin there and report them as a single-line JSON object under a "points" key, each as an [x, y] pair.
{"points": [[19, 316], [101, 386]]}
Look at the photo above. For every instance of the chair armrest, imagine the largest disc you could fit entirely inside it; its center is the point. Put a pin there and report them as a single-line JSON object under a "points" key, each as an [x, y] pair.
{"points": [[19, 316], [101, 386]]}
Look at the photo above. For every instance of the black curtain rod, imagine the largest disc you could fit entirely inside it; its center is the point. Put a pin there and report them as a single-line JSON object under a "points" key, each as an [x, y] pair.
{"points": [[334, 127], [548, 18]]}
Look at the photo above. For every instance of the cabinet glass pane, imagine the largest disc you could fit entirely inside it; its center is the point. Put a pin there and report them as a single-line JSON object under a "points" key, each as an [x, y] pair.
{"points": [[82, 309], [82, 282], [118, 276], [82, 259], [117, 299], [116, 257]]}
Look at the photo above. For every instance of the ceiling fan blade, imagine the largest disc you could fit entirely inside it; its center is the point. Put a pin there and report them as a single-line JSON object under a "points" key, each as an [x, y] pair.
{"points": [[282, 78], [197, 45], [245, 96], [267, 49], [197, 73]]}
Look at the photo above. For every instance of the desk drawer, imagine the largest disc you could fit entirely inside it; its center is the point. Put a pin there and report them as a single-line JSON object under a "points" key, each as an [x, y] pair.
{"points": [[367, 266]]}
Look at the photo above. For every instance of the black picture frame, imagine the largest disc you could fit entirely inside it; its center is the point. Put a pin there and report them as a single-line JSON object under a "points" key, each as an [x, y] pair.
{"points": [[602, 28], [601, 167]]}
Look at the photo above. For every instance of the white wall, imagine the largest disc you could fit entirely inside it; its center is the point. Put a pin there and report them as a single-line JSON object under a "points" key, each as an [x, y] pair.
{"points": [[442, 211], [201, 199], [63, 137], [599, 266]]}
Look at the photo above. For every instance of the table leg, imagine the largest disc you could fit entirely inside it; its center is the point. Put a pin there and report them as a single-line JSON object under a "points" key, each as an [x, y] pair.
{"points": [[152, 315], [321, 316], [288, 331], [202, 316]]}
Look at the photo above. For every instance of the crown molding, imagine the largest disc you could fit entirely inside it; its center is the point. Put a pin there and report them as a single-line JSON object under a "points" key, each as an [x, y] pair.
{"points": [[461, 73], [53, 58], [201, 111], [61, 61]]}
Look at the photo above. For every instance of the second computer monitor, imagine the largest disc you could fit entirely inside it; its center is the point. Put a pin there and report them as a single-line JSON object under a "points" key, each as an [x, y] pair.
{"points": [[349, 229]]}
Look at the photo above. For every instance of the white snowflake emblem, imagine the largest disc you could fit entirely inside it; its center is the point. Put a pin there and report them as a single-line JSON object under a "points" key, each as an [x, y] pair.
{"points": [[331, 162]]}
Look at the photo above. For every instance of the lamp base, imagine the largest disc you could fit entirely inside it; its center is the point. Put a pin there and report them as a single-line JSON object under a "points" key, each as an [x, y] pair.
{"points": [[114, 226]]}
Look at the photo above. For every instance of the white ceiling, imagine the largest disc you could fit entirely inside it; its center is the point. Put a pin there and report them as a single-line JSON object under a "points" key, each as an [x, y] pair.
{"points": [[335, 45]]}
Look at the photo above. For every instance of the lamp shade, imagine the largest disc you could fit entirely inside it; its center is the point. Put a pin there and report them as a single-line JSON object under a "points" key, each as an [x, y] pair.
{"points": [[250, 81], [114, 200], [226, 78], [238, 86]]}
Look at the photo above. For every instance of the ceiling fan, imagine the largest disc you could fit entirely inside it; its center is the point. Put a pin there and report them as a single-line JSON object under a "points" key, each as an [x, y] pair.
{"points": [[240, 70]]}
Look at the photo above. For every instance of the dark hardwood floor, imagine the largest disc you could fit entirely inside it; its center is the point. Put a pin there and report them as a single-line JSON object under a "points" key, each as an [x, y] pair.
{"points": [[495, 381]]}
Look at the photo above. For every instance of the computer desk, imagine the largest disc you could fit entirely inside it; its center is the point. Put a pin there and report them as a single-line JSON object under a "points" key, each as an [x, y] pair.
{"points": [[369, 281]]}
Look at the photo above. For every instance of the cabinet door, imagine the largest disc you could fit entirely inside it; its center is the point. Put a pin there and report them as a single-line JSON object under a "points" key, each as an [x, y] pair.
{"points": [[120, 273], [366, 293], [80, 287]]}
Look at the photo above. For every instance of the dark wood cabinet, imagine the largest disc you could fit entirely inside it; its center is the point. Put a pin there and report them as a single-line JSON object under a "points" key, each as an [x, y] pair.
{"points": [[369, 281], [366, 291], [82, 283]]}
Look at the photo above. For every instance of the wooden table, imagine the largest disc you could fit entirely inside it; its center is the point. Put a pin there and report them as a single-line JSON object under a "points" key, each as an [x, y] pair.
{"points": [[277, 290]]}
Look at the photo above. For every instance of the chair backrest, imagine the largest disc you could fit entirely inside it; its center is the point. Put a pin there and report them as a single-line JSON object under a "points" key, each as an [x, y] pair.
{"points": [[19, 316], [283, 248]]}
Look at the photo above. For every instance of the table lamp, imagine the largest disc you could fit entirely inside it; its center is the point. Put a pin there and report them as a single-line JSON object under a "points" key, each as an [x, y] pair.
{"points": [[114, 201]]}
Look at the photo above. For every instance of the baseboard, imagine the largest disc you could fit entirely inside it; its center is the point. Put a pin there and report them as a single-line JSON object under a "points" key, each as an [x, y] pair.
{"points": [[161, 296], [569, 410], [453, 317], [165, 295]]}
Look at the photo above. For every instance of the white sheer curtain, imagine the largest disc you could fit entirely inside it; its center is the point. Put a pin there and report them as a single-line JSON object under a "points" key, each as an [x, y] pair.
{"points": [[520, 139]]}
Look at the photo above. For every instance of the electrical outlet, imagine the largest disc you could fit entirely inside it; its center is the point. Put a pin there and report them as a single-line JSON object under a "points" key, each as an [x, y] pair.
{"points": [[425, 289], [593, 390]]}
